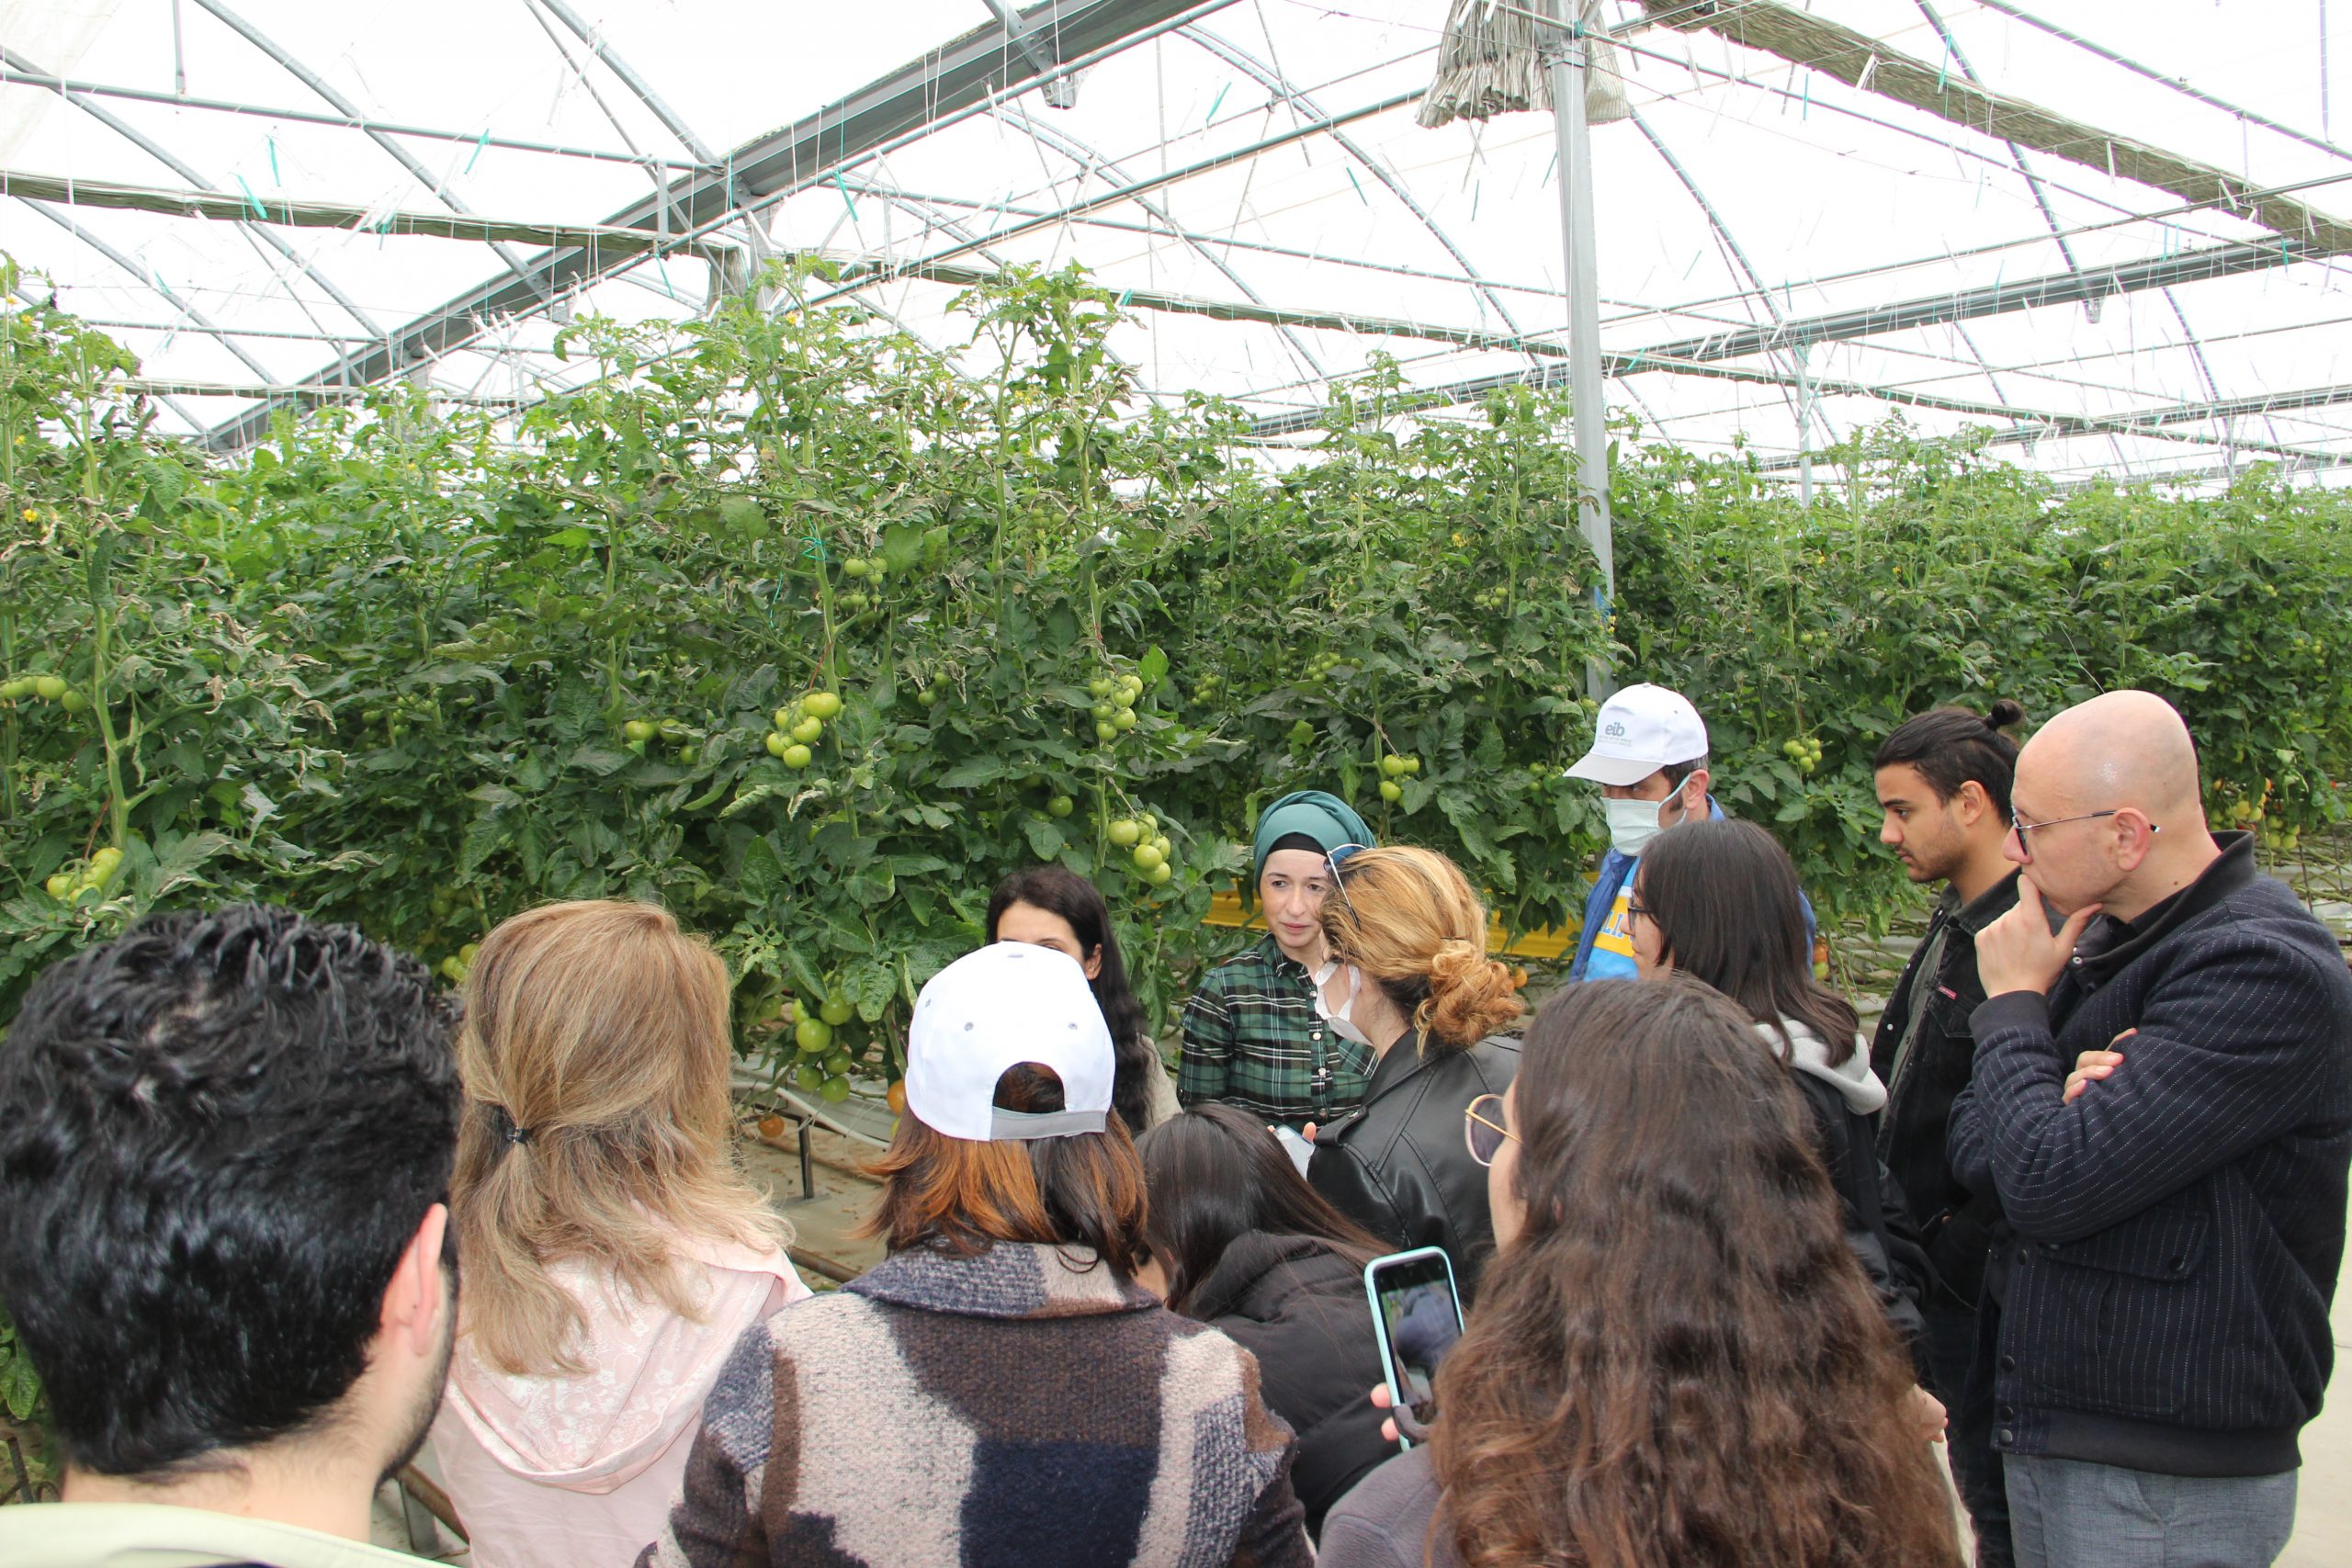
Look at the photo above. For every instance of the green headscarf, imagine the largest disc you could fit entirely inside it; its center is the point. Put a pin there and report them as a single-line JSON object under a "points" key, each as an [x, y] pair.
{"points": [[1324, 818]]}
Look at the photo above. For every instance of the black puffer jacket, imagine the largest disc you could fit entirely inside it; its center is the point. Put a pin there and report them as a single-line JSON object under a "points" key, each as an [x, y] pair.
{"points": [[1300, 1308], [1399, 1167], [1879, 1228]]}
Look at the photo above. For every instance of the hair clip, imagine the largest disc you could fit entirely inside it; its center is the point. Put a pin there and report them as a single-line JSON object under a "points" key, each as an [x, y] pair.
{"points": [[502, 1123]]}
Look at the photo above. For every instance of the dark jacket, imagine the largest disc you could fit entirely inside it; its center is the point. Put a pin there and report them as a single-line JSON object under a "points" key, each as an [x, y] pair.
{"points": [[1300, 1308], [1399, 1167], [1845, 1101], [1923, 1071], [2163, 1306]]}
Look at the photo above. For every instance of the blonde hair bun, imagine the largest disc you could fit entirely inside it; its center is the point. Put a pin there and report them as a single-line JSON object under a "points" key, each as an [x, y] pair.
{"points": [[1411, 922]]}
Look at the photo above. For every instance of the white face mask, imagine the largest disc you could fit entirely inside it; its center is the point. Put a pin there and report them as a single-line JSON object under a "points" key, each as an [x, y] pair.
{"points": [[1342, 1024], [1634, 823]]}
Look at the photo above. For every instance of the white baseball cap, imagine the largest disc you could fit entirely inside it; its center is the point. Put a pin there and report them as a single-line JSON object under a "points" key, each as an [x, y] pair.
{"points": [[994, 1008], [1640, 731]]}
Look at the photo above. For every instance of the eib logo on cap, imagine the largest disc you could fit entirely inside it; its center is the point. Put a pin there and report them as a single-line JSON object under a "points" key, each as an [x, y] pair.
{"points": [[1007, 1004], [1642, 729]]}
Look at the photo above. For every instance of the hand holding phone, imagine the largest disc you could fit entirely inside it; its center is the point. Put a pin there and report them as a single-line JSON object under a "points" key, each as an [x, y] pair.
{"points": [[1416, 1318]]}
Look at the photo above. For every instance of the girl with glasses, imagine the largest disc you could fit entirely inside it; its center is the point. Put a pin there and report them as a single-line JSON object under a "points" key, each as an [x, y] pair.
{"points": [[1676, 1360], [1429, 1005], [1718, 902]]}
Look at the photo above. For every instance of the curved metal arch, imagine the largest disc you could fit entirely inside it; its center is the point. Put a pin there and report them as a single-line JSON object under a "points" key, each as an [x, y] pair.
{"points": [[1757, 288], [164, 156], [2042, 199], [342, 104], [636, 84], [203, 324], [1090, 159], [1273, 81]]}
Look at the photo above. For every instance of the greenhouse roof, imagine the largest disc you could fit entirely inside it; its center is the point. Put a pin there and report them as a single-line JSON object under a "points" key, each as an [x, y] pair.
{"points": [[2104, 231]]}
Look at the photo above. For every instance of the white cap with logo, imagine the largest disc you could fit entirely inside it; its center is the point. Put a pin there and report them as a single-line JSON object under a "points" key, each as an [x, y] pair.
{"points": [[1003, 1005], [1642, 729]]}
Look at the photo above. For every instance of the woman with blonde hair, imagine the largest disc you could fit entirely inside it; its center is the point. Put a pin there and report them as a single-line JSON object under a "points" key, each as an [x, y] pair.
{"points": [[1430, 1005], [613, 1255]]}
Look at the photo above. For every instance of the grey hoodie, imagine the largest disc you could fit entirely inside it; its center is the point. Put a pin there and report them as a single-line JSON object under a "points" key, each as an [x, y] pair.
{"points": [[1808, 1053]]}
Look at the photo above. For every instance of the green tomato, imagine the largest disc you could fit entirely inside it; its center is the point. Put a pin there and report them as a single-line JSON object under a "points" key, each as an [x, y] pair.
{"points": [[1124, 720], [836, 1009], [1391, 791], [835, 1090], [838, 1063], [798, 757], [1103, 711], [1148, 858], [1098, 688], [808, 730], [61, 887], [808, 1078], [1106, 733], [11, 691], [812, 1035], [1127, 833], [72, 701], [1393, 765], [855, 567], [49, 687], [639, 730], [1160, 842], [107, 858], [823, 705], [1060, 805], [1412, 766], [778, 743], [784, 717], [1157, 876], [927, 696]]}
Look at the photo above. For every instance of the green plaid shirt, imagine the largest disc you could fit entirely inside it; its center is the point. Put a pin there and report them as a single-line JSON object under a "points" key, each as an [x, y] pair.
{"points": [[1253, 1040]]}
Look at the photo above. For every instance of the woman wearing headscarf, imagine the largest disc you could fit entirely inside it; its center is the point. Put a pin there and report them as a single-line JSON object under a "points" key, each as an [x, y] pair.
{"points": [[1269, 1031]]}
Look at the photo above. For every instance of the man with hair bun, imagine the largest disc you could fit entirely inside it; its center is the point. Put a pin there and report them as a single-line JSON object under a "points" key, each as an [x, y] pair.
{"points": [[2178, 1206], [1943, 783]]}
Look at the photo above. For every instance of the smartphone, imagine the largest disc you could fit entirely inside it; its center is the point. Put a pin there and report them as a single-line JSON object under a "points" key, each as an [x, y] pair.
{"points": [[1416, 1317]]}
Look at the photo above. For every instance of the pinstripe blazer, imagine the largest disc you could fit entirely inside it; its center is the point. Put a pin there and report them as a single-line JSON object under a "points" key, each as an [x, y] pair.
{"points": [[2178, 1228]]}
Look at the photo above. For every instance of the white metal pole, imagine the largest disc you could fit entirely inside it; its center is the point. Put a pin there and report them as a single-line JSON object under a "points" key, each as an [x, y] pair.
{"points": [[1805, 428], [1589, 412]]}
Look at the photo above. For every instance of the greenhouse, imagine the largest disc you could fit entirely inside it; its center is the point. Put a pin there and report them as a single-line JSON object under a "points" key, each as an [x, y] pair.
{"points": [[763, 507]]}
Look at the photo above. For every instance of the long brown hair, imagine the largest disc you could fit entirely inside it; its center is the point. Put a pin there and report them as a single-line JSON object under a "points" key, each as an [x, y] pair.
{"points": [[1677, 1360], [1216, 1176], [1407, 919], [1724, 897], [962, 1197], [594, 1055]]}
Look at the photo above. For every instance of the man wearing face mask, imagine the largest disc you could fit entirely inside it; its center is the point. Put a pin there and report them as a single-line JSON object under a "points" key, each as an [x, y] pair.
{"points": [[1649, 756]]}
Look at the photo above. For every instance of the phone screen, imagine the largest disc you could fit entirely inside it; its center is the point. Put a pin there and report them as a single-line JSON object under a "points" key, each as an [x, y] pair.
{"points": [[1419, 1320]]}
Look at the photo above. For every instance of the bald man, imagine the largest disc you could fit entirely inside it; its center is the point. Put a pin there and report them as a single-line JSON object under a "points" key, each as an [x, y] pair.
{"points": [[2162, 1329]]}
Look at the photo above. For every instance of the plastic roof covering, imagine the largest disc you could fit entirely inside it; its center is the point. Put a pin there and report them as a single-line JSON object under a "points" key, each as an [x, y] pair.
{"points": [[1745, 192]]}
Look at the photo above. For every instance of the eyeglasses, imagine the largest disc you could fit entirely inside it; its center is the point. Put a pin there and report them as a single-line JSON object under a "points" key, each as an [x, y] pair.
{"points": [[2019, 826], [1336, 857], [1482, 1129], [1634, 911]]}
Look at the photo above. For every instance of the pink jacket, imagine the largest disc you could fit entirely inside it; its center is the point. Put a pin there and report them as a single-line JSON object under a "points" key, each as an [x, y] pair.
{"points": [[579, 1471]]}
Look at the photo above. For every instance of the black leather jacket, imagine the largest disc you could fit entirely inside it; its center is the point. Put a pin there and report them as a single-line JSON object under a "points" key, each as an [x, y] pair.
{"points": [[1399, 1167]]}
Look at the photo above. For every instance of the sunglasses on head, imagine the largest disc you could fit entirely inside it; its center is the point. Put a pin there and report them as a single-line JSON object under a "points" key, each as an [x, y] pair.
{"points": [[1334, 858]]}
